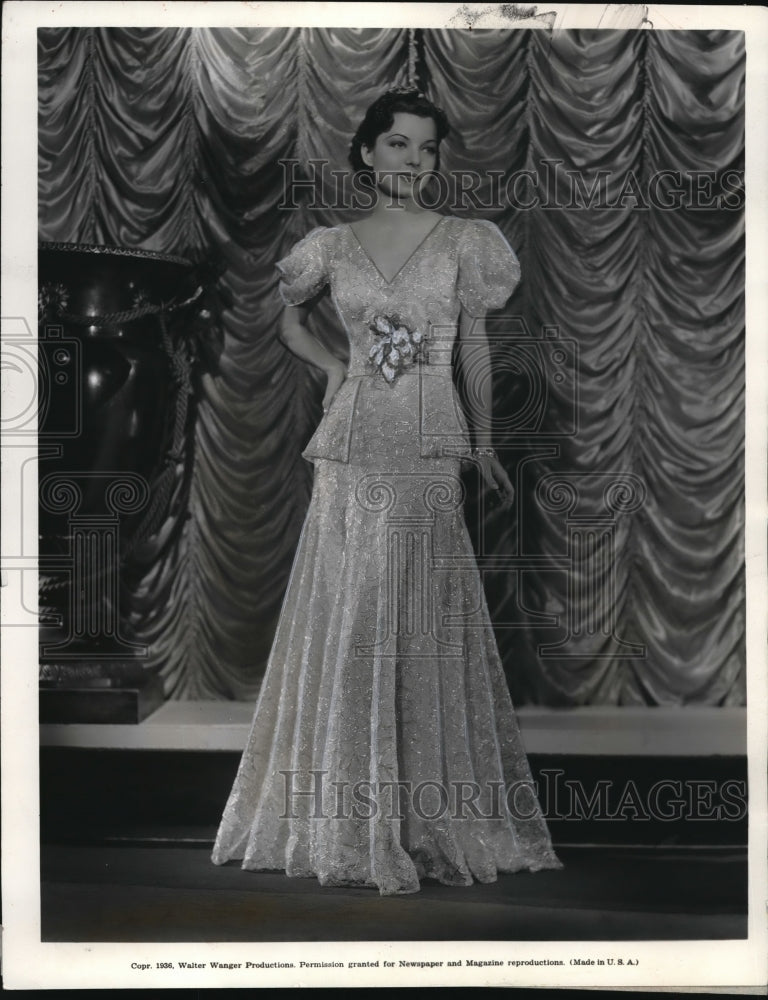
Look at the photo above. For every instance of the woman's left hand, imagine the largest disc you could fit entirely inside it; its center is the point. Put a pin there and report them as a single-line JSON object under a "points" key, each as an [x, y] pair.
{"points": [[496, 479]]}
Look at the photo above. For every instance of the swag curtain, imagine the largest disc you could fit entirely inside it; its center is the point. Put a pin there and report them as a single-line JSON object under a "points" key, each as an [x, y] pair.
{"points": [[171, 140]]}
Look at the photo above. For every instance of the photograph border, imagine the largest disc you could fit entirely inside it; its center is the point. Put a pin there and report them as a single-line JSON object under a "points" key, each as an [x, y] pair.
{"points": [[29, 963]]}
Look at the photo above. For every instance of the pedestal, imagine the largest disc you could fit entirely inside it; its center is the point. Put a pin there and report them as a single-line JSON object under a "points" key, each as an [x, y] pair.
{"points": [[116, 700]]}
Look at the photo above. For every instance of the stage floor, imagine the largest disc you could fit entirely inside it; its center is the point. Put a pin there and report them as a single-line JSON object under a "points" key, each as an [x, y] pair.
{"points": [[600, 730], [175, 894]]}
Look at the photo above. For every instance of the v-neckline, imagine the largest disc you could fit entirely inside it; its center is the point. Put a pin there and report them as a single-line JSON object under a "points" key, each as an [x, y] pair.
{"points": [[384, 278]]}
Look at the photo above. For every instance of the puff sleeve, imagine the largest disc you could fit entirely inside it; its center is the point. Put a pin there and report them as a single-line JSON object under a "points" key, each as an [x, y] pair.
{"points": [[489, 270], [304, 271]]}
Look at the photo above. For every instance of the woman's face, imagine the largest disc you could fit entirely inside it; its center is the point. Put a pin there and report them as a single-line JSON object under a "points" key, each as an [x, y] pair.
{"points": [[400, 154]]}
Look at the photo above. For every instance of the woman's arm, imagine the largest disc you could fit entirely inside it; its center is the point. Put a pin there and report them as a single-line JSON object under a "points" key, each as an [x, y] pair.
{"points": [[296, 337], [474, 358], [475, 363]]}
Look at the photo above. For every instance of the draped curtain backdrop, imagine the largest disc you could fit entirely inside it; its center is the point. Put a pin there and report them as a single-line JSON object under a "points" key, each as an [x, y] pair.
{"points": [[171, 140]]}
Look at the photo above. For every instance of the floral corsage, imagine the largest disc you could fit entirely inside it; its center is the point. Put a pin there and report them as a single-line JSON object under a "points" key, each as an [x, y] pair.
{"points": [[397, 346]]}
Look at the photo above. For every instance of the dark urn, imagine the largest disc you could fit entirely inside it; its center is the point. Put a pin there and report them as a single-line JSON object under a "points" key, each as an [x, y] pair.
{"points": [[119, 341]]}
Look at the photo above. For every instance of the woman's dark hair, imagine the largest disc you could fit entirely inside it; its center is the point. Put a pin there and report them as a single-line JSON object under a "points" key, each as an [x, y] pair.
{"points": [[380, 117]]}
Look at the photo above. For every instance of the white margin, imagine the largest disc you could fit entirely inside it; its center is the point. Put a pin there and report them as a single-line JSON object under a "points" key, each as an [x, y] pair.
{"points": [[28, 963]]}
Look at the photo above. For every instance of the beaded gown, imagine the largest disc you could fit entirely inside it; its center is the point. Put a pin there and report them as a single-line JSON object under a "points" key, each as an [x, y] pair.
{"points": [[384, 747]]}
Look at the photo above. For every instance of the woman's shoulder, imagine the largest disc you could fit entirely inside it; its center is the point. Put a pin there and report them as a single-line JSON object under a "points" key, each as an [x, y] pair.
{"points": [[306, 267], [489, 270], [313, 246], [466, 227], [321, 234]]}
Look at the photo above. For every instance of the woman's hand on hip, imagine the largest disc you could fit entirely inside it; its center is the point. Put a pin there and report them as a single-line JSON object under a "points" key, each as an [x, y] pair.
{"points": [[336, 377]]}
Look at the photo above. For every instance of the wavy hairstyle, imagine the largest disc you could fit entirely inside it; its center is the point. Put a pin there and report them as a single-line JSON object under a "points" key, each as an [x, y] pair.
{"points": [[380, 117]]}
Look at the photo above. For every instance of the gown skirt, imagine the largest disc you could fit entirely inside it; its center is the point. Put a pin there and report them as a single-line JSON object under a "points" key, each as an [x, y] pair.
{"points": [[384, 747]]}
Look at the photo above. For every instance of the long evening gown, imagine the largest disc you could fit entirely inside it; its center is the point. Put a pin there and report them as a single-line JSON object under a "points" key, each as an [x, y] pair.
{"points": [[384, 746]]}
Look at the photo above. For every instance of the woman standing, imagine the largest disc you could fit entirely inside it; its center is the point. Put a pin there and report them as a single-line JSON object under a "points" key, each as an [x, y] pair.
{"points": [[384, 747]]}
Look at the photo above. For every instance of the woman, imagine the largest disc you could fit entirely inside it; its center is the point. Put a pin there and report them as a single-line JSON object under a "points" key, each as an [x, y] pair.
{"points": [[384, 747]]}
